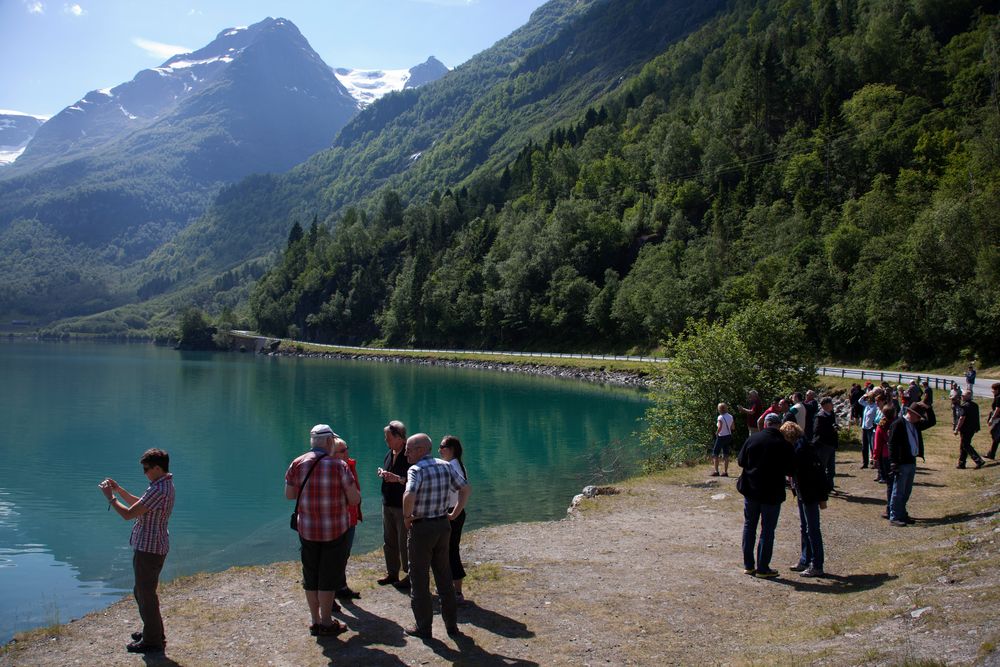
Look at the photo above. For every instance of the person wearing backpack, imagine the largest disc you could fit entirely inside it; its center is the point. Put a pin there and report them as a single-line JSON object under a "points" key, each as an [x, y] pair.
{"points": [[810, 489]]}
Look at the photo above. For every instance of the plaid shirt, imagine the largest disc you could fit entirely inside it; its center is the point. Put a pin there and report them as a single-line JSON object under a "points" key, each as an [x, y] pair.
{"points": [[322, 506], [149, 532], [431, 479]]}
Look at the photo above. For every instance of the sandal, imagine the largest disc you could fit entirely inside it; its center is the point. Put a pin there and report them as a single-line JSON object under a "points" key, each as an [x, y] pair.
{"points": [[330, 630]]}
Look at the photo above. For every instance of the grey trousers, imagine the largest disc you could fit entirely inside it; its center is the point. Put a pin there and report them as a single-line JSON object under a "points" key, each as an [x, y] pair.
{"points": [[429, 542], [394, 541], [146, 567]]}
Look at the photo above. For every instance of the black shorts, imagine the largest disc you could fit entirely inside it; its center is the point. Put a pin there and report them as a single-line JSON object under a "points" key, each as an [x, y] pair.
{"points": [[722, 444], [322, 562]]}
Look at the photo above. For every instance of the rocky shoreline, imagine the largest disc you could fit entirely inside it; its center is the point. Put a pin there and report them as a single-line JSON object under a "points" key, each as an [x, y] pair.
{"points": [[636, 379]]}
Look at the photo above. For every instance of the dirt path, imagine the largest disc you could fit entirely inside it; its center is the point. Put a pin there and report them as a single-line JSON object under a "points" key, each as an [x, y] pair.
{"points": [[651, 576]]}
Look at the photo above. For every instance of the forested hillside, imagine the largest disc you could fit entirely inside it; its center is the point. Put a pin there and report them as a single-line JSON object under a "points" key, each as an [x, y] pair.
{"points": [[838, 157], [474, 120]]}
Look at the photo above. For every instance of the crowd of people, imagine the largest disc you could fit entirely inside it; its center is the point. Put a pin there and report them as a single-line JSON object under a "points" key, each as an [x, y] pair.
{"points": [[423, 512], [793, 446]]}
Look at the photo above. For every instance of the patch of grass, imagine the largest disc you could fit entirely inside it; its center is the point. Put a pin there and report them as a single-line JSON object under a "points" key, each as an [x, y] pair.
{"points": [[986, 648], [486, 572], [536, 358], [853, 620]]}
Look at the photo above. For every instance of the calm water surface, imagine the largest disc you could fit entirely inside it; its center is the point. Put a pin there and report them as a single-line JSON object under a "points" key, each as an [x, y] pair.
{"points": [[72, 414]]}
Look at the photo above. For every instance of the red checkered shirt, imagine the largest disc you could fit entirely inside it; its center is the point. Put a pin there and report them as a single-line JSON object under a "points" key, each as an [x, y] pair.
{"points": [[322, 506], [149, 533]]}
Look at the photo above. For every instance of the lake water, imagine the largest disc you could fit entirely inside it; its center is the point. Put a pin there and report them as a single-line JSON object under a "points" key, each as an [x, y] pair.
{"points": [[72, 414]]}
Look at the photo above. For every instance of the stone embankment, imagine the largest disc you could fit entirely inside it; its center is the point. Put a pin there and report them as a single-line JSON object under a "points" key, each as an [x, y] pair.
{"points": [[619, 378]]}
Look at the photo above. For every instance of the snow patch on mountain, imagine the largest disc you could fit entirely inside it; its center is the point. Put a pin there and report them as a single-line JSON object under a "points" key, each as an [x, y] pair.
{"points": [[368, 85]]}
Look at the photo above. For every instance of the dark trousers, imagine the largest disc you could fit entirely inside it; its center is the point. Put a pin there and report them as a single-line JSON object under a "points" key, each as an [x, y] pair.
{"points": [[341, 582], [394, 541], [767, 515], [867, 440], [147, 567], [886, 472], [966, 449], [828, 457], [812, 537], [995, 434], [454, 546], [429, 552]]}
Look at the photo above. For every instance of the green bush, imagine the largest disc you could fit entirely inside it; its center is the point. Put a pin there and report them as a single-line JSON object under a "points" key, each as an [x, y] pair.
{"points": [[763, 347]]}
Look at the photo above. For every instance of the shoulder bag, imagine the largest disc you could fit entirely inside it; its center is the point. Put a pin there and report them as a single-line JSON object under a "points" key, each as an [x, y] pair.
{"points": [[294, 521]]}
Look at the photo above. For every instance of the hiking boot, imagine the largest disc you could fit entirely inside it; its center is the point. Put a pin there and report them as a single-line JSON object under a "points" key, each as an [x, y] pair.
{"points": [[750, 570], [811, 572], [799, 567], [766, 574]]}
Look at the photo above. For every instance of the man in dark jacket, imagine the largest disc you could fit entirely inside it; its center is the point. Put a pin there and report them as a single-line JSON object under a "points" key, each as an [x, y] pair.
{"points": [[906, 443], [966, 428], [825, 439], [767, 459]]}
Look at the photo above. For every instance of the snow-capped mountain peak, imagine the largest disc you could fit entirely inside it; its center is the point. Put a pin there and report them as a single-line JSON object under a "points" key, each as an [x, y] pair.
{"points": [[368, 85]]}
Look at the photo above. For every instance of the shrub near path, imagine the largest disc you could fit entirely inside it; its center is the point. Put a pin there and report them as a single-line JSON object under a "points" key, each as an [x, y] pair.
{"points": [[649, 576]]}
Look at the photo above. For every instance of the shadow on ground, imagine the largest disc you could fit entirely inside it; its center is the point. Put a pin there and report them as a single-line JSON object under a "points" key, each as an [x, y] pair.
{"points": [[837, 584], [960, 517]]}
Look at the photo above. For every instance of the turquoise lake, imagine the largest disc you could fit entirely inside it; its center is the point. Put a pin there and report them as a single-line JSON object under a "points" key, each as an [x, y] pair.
{"points": [[74, 413]]}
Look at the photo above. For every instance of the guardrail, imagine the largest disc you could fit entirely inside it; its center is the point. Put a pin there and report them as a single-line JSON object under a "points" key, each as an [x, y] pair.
{"points": [[938, 381]]}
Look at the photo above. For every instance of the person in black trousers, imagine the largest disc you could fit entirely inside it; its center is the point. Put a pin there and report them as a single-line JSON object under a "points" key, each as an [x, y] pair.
{"points": [[767, 459], [825, 441], [966, 428]]}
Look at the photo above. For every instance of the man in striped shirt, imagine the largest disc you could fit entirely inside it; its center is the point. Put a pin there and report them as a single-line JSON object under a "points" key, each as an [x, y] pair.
{"points": [[150, 542], [425, 512]]}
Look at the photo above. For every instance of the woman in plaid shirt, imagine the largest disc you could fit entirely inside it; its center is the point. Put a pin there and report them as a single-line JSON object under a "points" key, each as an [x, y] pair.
{"points": [[150, 542]]}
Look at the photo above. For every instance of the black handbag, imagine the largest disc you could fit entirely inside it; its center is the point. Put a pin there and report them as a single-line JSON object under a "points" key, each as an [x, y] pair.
{"points": [[293, 523]]}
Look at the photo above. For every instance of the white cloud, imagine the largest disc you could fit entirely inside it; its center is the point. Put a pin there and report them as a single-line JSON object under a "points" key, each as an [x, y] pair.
{"points": [[195, 12], [34, 7], [74, 9], [159, 50]]}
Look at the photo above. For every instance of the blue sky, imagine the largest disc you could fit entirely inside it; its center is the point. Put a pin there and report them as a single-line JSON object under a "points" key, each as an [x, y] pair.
{"points": [[53, 52]]}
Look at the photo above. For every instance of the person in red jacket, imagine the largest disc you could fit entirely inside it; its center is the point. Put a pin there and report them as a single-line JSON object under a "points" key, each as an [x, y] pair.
{"points": [[344, 592]]}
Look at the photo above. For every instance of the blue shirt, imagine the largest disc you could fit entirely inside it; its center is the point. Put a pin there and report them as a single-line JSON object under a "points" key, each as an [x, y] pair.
{"points": [[914, 437]]}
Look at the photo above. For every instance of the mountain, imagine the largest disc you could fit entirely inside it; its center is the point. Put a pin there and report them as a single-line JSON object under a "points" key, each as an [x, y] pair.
{"points": [[366, 86], [117, 174], [16, 130], [568, 56], [219, 76], [426, 72]]}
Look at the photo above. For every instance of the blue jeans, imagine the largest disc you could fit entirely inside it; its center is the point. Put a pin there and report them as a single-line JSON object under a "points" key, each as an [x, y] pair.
{"points": [[812, 537], [902, 485], [753, 512]]}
